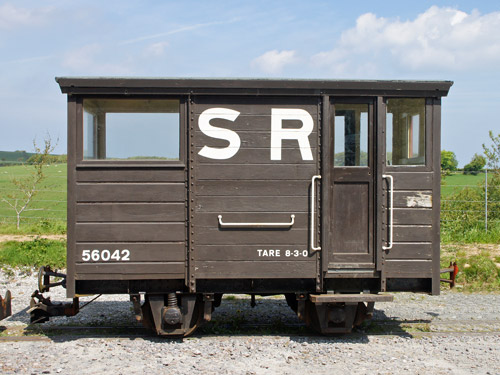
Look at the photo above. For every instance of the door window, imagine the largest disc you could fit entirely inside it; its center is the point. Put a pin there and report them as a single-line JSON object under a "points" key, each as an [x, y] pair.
{"points": [[351, 135]]}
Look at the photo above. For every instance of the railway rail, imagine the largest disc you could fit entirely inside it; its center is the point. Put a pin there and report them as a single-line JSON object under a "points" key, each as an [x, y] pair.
{"points": [[393, 327]]}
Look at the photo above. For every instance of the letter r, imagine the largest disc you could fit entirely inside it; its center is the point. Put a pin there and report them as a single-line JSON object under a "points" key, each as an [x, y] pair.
{"points": [[278, 115]]}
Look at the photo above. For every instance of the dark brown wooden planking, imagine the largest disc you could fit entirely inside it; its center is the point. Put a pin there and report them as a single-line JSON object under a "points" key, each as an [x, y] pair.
{"points": [[409, 268], [133, 232], [412, 180], [410, 251], [130, 212], [139, 251], [412, 216], [413, 233], [102, 275], [129, 268], [130, 192], [253, 188], [255, 172], [261, 237], [251, 269], [224, 204], [350, 218], [119, 174]]}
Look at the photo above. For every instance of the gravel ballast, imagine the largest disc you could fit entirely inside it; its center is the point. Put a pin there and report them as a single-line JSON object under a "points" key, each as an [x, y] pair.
{"points": [[461, 335]]}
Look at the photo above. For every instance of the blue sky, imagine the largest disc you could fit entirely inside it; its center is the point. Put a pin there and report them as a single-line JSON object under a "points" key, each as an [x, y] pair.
{"points": [[429, 40]]}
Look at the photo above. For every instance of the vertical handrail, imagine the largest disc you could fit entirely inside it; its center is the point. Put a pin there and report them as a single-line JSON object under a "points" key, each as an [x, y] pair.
{"points": [[391, 209], [313, 204]]}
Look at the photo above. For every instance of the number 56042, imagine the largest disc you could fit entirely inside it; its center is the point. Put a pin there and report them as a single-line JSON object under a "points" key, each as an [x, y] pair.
{"points": [[105, 255]]}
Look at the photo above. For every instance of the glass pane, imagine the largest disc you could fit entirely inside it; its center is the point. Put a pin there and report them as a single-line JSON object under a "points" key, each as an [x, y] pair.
{"points": [[351, 135], [128, 129], [405, 143]]}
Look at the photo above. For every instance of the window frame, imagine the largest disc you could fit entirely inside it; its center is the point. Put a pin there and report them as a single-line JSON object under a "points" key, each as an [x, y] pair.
{"points": [[81, 162], [427, 167]]}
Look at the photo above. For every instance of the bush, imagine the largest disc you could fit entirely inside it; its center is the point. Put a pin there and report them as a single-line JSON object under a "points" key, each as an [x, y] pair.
{"points": [[463, 214], [36, 253]]}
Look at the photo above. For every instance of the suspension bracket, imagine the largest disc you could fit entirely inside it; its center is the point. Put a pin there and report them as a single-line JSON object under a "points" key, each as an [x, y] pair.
{"points": [[5, 305]]}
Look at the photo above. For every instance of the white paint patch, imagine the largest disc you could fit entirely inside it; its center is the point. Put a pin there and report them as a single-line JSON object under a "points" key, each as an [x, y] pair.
{"points": [[420, 200]]}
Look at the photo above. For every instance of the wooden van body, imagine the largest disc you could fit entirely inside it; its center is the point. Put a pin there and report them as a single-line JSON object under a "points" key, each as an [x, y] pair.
{"points": [[253, 186]]}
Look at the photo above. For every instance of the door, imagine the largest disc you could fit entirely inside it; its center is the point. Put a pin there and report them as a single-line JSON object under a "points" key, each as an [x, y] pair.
{"points": [[350, 235]]}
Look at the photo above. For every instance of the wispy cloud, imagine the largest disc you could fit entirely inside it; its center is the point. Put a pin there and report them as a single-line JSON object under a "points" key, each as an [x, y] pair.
{"points": [[12, 17], [440, 38], [28, 60], [177, 31], [274, 61]]}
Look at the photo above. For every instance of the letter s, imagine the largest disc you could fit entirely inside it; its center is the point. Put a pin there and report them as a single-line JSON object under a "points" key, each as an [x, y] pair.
{"points": [[219, 133]]}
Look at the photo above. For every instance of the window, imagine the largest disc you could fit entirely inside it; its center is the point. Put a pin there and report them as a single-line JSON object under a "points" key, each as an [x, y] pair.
{"points": [[131, 129], [405, 129], [351, 135]]}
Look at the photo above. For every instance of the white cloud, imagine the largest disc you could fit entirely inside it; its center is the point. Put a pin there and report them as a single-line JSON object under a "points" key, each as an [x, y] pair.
{"points": [[274, 61], [12, 17], [439, 39], [156, 49]]}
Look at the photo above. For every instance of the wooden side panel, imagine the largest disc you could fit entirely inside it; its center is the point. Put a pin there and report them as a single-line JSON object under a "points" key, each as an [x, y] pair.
{"points": [[260, 182], [130, 212], [130, 232], [130, 271], [409, 268], [109, 175], [130, 223], [414, 227], [252, 269], [125, 192]]}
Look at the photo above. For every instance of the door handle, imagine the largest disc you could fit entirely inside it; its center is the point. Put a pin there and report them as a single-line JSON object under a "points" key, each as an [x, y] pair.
{"points": [[257, 225], [391, 209], [313, 203]]}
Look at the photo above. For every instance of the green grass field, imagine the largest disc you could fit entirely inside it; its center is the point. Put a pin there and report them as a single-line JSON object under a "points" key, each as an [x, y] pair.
{"points": [[458, 181], [49, 202]]}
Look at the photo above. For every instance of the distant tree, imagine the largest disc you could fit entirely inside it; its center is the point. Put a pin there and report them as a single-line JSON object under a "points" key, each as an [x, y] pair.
{"points": [[50, 159], [476, 164], [448, 161], [26, 187], [493, 153]]}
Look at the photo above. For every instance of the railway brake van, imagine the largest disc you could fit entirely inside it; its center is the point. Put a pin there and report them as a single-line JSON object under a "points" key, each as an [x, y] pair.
{"points": [[181, 190]]}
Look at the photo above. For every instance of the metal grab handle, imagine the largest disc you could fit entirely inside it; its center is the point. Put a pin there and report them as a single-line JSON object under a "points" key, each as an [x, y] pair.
{"points": [[391, 209], [257, 225], [313, 202]]}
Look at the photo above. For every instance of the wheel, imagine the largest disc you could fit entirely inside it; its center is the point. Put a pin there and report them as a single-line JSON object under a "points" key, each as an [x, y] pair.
{"points": [[152, 316]]}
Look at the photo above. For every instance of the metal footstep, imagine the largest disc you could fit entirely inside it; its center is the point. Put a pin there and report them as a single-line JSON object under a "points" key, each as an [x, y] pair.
{"points": [[453, 271]]}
